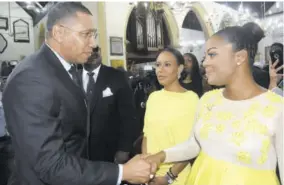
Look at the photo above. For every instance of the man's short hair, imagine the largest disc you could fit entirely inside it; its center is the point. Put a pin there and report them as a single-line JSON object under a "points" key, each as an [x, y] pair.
{"points": [[64, 10]]}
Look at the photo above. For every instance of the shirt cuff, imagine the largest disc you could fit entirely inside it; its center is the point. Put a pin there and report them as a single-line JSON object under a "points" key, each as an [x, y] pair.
{"points": [[120, 170]]}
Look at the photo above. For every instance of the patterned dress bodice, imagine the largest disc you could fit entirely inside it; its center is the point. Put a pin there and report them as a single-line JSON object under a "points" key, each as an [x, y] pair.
{"points": [[241, 132]]}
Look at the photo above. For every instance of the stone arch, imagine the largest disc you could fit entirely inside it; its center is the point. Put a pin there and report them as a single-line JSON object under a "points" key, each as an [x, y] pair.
{"points": [[201, 14]]}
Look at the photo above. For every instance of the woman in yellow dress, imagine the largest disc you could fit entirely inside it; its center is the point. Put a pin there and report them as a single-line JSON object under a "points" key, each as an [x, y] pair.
{"points": [[169, 115], [238, 136]]}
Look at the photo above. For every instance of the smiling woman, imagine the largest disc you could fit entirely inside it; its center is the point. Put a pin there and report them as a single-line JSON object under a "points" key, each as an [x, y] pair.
{"points": [[238, 134], [230, 53]]}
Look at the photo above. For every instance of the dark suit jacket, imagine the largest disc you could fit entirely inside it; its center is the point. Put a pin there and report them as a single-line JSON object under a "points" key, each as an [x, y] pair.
{"points": [[113, 119], [46, 117]]}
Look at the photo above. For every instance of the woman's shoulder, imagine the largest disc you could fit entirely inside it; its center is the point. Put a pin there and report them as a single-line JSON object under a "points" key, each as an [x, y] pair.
{"points": [[191, 94], [212, 94], [273, 99], [154, 95]]}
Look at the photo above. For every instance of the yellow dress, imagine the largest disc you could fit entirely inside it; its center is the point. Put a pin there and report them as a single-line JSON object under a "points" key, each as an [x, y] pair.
{"points": [[168, 121], [237, 142]]}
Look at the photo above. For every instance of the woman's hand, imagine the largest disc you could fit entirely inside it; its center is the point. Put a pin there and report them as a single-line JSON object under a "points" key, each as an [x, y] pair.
{"points": [[157, 158], [273, 74], [154, 166], [159, 181]]}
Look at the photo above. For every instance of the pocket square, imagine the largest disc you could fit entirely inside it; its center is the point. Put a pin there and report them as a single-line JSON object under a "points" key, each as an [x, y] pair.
{"points": [[107, 92]]}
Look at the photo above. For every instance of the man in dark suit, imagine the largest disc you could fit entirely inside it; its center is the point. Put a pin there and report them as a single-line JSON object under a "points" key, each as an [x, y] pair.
{"points": [[113, 117], [46, 112]]}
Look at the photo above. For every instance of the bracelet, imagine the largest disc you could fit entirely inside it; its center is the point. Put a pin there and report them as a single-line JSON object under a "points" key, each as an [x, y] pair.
{"points": [[170, 180], [171, 173]]}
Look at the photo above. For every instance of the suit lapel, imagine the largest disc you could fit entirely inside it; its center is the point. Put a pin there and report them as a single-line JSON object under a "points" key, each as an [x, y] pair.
{"points": [[61, 73], [99, 87]]}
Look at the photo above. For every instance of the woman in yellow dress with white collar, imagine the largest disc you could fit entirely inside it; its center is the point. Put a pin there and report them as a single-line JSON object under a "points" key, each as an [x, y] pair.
{"points": [[238, 136], [169, 116]]}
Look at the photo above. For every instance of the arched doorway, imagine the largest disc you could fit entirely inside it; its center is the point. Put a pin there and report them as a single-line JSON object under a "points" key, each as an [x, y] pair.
{"points": [[192, 16], [193, 36], [195, 30]]}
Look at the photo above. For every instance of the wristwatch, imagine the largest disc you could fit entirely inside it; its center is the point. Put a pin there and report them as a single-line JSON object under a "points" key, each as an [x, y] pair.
{"points": [[169, 179]]}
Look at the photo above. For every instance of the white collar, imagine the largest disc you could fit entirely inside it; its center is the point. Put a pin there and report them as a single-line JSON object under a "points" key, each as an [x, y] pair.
{"points": [[95, 71], [65, 64]]}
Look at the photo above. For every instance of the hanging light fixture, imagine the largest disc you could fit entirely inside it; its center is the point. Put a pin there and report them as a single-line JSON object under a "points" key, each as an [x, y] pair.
{"points": [[247, 11], [241, 8], [277, 5], [172, 3], [146, 5]]}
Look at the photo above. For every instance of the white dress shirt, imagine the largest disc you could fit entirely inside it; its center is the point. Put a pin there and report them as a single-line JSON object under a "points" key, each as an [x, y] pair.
{"points": [[67, 66], [85, 76]]}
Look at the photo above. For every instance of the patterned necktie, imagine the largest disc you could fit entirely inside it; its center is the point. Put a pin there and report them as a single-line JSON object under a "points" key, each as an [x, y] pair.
{"points": [[74, 74], [90, 85]]}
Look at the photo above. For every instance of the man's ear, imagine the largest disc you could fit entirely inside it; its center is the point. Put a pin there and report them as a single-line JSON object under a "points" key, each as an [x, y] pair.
{"points": [[58, 33]]}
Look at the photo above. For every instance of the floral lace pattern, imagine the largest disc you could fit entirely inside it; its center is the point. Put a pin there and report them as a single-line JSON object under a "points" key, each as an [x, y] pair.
{"points": [[238, 124]]}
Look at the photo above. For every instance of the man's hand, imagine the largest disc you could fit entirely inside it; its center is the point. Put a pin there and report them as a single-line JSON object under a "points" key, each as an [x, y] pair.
{"points": [[137, 170], [121, 157], [159, 181], [273, 74], [157, 159]]}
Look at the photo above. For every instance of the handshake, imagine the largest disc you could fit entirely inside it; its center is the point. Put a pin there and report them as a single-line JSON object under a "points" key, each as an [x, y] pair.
{"points": [[142, 168]]}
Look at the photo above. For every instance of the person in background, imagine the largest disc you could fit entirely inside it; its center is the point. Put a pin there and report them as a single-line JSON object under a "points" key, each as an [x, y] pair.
{"points": [[260, 76], [6, 152], [276, 54], [2, 118], [170, 114], [276, 68], [205, 85], [191, 78], [5, 71], [238, 136], [113, 117], [275, 77], [46, 113]]}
